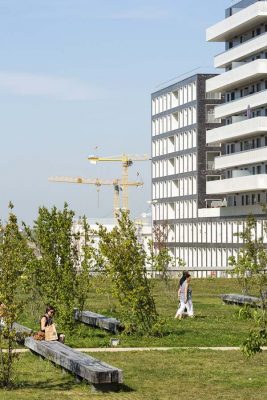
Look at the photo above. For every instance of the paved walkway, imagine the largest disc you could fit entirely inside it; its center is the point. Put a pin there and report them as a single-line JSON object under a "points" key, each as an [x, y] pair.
{"points": [[128, 349]]}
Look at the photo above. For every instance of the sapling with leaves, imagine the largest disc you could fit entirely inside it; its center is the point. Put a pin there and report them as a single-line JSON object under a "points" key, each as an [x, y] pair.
{"points": [[159, 257], [15, 259], [124, 262], [62, 269], [250, 268], [87, 262]]}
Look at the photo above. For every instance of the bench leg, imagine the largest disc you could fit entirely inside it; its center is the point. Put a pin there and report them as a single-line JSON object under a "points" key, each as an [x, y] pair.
{"points": [[78, 379], [105, 387]]}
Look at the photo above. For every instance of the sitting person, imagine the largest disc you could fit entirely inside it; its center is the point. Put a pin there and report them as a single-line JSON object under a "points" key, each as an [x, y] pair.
{"points": [[47, 320]]}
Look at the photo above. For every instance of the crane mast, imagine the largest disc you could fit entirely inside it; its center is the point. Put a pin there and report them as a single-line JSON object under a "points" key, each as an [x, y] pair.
{"points": [[127, 161]]}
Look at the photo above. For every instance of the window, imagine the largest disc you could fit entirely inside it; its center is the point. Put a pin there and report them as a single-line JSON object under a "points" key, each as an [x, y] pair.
{"points": [[258, 169], [258, 142], [247, 200]]}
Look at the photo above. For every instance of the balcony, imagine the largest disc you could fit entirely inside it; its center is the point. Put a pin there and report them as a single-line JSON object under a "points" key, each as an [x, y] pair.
{"points": [[248, 127], [240, 105], [241, 158], [229, 211], [240, 184], [238, 23], [246, 49], [239, 76]]}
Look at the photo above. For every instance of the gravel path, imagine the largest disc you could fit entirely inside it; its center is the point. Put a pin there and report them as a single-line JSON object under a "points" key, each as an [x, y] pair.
{"points": [[128, 349]]}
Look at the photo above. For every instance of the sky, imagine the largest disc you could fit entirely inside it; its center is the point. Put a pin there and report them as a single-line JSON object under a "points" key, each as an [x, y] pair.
{"points": [[76, 78]]}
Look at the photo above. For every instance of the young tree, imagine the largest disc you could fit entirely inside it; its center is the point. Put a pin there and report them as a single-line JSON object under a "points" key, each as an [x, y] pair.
{"points": [[124, 260], [159, 257], [87, 262], [250, 269], [62, 269], [15, 258]]}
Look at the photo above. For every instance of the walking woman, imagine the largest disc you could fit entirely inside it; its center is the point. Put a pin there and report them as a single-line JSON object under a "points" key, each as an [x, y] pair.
{"points": [[185, 297]]}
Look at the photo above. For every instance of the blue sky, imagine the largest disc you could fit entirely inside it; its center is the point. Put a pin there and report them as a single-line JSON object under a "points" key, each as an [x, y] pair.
{"points": [[75, 79]]}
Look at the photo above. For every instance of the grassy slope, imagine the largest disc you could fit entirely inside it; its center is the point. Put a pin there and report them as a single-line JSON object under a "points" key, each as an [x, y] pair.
{"points": [[187, 374], [157, 375], [215, 324]]}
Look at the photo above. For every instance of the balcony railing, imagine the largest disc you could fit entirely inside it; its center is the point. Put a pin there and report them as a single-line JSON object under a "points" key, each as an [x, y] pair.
{"points": [[245, 97], [240, 44], [247, 149]]}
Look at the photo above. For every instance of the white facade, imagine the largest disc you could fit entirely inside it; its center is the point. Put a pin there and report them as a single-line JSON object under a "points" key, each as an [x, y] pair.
{"points": [[181, 113], [143, 230], [244, 84]]}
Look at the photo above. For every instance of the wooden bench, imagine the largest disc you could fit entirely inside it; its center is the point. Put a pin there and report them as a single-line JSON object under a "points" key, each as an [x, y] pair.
{"points": [[240, 299], [98, 320], [83, 366], [21, 332]]}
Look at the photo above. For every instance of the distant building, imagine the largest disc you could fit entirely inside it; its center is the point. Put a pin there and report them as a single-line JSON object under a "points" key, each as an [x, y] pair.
{"points": [[182, 163], [143, 229]]}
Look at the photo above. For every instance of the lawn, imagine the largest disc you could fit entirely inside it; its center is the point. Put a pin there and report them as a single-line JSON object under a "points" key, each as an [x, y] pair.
{"points": [[157, 375], [215, 324], [154, 375]]}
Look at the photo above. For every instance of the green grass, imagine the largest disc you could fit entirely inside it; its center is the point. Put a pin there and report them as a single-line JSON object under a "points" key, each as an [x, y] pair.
{"points": [[215, 324], [154, 375]]}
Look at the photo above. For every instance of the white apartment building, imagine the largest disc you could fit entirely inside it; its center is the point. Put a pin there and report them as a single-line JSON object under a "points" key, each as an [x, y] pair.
{"points": [[206, 201], [244, 83], [182, 163]]}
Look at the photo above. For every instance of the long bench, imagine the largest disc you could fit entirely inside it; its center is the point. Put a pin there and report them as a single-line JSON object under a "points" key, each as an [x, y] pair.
{"points": [[21, 332], [240, 299], [98, 320], [83, 366]]}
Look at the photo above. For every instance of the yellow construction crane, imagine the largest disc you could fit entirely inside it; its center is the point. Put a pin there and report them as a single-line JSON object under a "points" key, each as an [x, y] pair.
{"points": [[117, 184], [126, 161]]}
